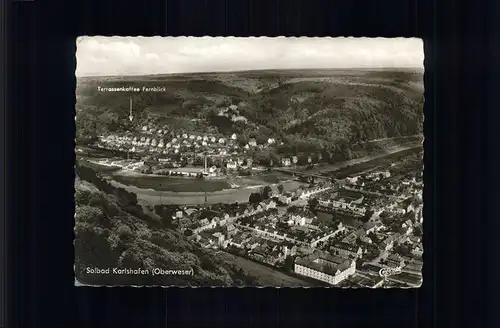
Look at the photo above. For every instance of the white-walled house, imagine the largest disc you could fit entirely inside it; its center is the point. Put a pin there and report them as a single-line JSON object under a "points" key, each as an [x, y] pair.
{"points": [[329, 269]]}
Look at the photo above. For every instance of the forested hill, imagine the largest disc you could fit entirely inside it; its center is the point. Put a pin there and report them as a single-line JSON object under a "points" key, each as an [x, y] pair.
{"points": [[111, 230], [320, 105]]}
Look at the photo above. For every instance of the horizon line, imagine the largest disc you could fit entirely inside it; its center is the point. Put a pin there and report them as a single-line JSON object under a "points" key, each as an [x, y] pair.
{"points": [[260, 70]]}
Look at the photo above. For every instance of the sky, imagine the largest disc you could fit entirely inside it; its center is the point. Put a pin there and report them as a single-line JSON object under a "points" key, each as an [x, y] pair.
{"points": [[105, 56]]}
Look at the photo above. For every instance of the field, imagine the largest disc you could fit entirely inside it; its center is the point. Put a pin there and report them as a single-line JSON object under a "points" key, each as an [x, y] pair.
{"points": [[262, 179], [162, 183], [182, 184], [227, 196]]}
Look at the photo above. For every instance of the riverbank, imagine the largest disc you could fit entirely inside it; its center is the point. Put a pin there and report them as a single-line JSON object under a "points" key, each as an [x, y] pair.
{"points": [[227, 196], [171, 184], [156, 190]]}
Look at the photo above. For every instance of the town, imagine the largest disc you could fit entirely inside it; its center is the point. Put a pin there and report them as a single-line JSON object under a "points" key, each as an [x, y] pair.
{"points": [[287, 169], [340, 232], [339, 235]]}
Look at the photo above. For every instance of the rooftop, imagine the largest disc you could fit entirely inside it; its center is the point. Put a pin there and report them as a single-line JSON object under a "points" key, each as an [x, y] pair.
{"points": [[324, 263]]}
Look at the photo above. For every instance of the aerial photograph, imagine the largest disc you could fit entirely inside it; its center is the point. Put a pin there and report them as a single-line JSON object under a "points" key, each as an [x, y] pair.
{"points": [[249, 162]]}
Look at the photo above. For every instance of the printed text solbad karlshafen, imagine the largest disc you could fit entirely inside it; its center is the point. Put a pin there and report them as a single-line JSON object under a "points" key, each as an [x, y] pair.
{"points": [[126, 271]]}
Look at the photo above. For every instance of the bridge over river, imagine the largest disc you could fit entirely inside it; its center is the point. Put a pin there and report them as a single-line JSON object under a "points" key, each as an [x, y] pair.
{"points": [[300, 174]]}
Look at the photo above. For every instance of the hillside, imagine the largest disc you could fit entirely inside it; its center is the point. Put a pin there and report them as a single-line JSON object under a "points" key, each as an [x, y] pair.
{"points": [[330, 106], [111, 230]]}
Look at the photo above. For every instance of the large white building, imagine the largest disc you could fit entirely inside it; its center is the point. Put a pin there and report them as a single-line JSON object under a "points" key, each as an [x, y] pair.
{"points": [[326, 268]]}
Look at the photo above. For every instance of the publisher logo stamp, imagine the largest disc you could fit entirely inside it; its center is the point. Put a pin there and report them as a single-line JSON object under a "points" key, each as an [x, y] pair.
{"points": [[387, 272]]}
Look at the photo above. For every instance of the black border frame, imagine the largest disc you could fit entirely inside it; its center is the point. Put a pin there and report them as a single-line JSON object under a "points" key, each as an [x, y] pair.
{"points": [[40, 171]]}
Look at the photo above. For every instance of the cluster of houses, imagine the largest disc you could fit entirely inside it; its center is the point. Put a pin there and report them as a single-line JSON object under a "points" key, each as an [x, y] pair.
{"points": [[151, 139], [146, 142], [375, 176], [315, 190], [263, 233], [299, 229], [270, 251], [384, 184], [232, 112], [348, 237], [343, 200], [323, 251], [189, 220], [224, 152]]}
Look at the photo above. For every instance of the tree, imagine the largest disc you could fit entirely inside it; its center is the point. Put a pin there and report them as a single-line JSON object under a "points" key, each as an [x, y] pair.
{"points": [[255, 198], [242, 140], [261, 139], [262, 157], [402, 249], [417, 231], [266, 192], [313, 203], [281, 188], [396, 227], [359, 263], [124, 231], [289, 263], [88, 214], [368, 215], [188, 232], [373, 237]]}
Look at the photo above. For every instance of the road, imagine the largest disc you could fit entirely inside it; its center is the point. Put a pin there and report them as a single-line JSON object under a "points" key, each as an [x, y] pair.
{"points": [[386, 139]]}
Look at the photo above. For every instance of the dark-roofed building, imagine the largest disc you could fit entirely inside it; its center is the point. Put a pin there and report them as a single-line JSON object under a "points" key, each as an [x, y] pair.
{"points": [[395, 261], [346, 249], [370, 269], [326, 268], [388, 242], [236, 241], [415, 266], [259, 253], [356, 224], [369, 227]]}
